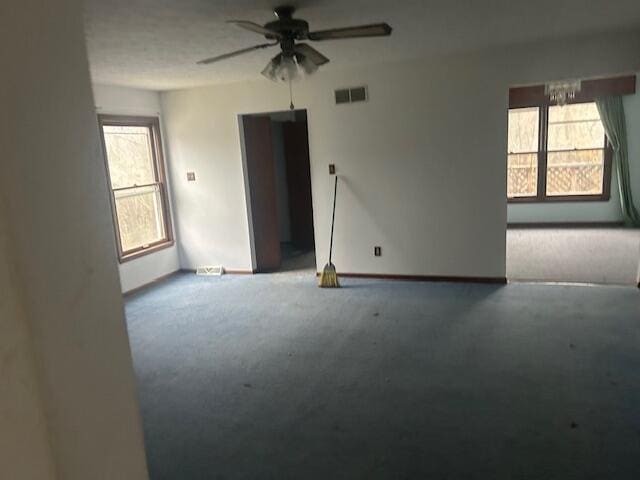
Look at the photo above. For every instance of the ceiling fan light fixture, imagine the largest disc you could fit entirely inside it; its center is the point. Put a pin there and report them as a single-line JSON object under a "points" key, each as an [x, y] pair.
{"points": [[307, 66], [270, 70], [286, 68]]}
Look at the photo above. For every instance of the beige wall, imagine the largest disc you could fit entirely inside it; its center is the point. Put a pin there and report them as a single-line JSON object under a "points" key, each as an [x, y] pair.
{"points": [[24, 443], [422, 163], [65, 303]]}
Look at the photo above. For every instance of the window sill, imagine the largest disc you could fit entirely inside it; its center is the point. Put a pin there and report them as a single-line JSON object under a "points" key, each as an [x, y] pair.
{"points": [[146, 251], [560, 199]]}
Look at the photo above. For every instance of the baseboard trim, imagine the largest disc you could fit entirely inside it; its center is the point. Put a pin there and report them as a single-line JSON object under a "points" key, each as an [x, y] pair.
{"points": [[516, 225], [424, 278], [153, 282], [162, 278]]}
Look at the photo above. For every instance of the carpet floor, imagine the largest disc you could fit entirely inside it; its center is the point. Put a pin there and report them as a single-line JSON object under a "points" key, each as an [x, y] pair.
{"points": [[587, 255], [270, 377]]}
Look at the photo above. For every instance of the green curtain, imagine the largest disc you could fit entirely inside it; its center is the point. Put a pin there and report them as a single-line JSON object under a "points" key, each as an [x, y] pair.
{"points": [[611, 111]]}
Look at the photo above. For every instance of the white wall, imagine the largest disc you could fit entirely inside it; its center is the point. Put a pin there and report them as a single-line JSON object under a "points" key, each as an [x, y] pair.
{"points": [[64, 281], [211, 214], [24, 439], [609, 211], [422, 163], [130, 101]]}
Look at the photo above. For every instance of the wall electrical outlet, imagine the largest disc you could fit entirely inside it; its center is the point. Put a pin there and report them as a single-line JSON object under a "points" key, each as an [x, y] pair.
{"points": [[191, 176], [377, 251]]}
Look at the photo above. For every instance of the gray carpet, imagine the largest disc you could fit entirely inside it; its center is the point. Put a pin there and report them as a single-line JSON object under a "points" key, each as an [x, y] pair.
{"points": [[608, 256], [270, 377]]}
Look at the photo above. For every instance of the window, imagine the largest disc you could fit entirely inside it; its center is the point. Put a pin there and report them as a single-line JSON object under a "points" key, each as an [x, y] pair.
{"points": [[522, 159], [576, 145], [133, 154], [557, 153]]}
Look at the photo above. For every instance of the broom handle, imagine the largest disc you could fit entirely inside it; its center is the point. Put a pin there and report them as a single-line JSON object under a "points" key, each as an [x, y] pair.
{"points": [[333, 217]]}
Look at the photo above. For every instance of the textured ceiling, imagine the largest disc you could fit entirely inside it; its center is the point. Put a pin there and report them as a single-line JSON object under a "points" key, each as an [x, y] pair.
{"points": [[155, 43]]}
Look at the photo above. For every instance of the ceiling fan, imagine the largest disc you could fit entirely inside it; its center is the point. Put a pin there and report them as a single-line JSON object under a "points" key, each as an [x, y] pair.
{"points": [[296, 58]]}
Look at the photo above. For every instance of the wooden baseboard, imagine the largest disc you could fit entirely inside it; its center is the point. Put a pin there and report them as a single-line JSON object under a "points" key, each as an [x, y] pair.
{"points": [[424, 278], [565, 225], [150, 284], [182, 270]]}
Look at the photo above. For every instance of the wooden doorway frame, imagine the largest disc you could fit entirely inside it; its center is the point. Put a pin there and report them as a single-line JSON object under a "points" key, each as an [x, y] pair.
{"points": [[251, 204]]}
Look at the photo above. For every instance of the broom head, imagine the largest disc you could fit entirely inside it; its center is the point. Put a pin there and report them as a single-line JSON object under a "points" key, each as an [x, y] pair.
{"points": [[328, 277]]}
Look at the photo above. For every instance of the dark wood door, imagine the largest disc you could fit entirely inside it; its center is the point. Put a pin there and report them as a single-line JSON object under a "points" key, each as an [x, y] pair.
{"points": [[296, 150], [262, 190]]}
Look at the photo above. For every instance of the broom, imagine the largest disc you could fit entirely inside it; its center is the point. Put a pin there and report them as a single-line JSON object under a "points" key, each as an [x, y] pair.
{"points": [[328, 277]]}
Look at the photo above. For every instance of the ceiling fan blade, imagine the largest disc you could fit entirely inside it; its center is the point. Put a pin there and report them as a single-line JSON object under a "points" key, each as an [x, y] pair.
{"points": [[254, 27], [311, 53], [224, 56], [375, 30]]}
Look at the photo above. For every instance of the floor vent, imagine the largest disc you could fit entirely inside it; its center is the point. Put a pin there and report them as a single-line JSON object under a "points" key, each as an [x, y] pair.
{"points": [[351, 95], [210, 270]]}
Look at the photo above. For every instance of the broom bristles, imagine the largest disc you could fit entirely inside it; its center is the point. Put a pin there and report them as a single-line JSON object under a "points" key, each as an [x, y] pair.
{"points": [[329, 277]]}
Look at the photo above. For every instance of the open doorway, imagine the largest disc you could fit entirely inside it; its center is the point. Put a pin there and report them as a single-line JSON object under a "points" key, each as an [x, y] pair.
{"points": [[565, 221], [278, 184]]}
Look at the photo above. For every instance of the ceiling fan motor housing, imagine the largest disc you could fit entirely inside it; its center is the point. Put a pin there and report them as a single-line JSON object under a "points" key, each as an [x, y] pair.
{"points": [[290, 28], [294, 28]]}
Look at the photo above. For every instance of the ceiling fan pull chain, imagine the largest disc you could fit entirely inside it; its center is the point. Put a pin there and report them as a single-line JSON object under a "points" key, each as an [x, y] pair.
{"points": [[291, 107]]}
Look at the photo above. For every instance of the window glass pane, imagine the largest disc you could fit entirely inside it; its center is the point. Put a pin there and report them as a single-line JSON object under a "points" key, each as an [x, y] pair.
{"points": [[140, 216], [522, 175], [523, 130], [579, 172], [575, 126], [129, 155]]}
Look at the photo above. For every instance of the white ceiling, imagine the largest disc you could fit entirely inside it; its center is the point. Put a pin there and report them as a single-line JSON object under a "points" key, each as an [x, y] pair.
{"points": [[155, 43]]}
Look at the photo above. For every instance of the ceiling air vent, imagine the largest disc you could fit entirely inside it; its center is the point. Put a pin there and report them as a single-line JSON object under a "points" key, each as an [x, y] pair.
{"points": [[351, 95]]}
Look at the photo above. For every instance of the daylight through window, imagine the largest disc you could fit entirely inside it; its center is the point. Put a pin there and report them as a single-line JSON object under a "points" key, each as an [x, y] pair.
{"points": [[557, 153], [134, 162]]}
